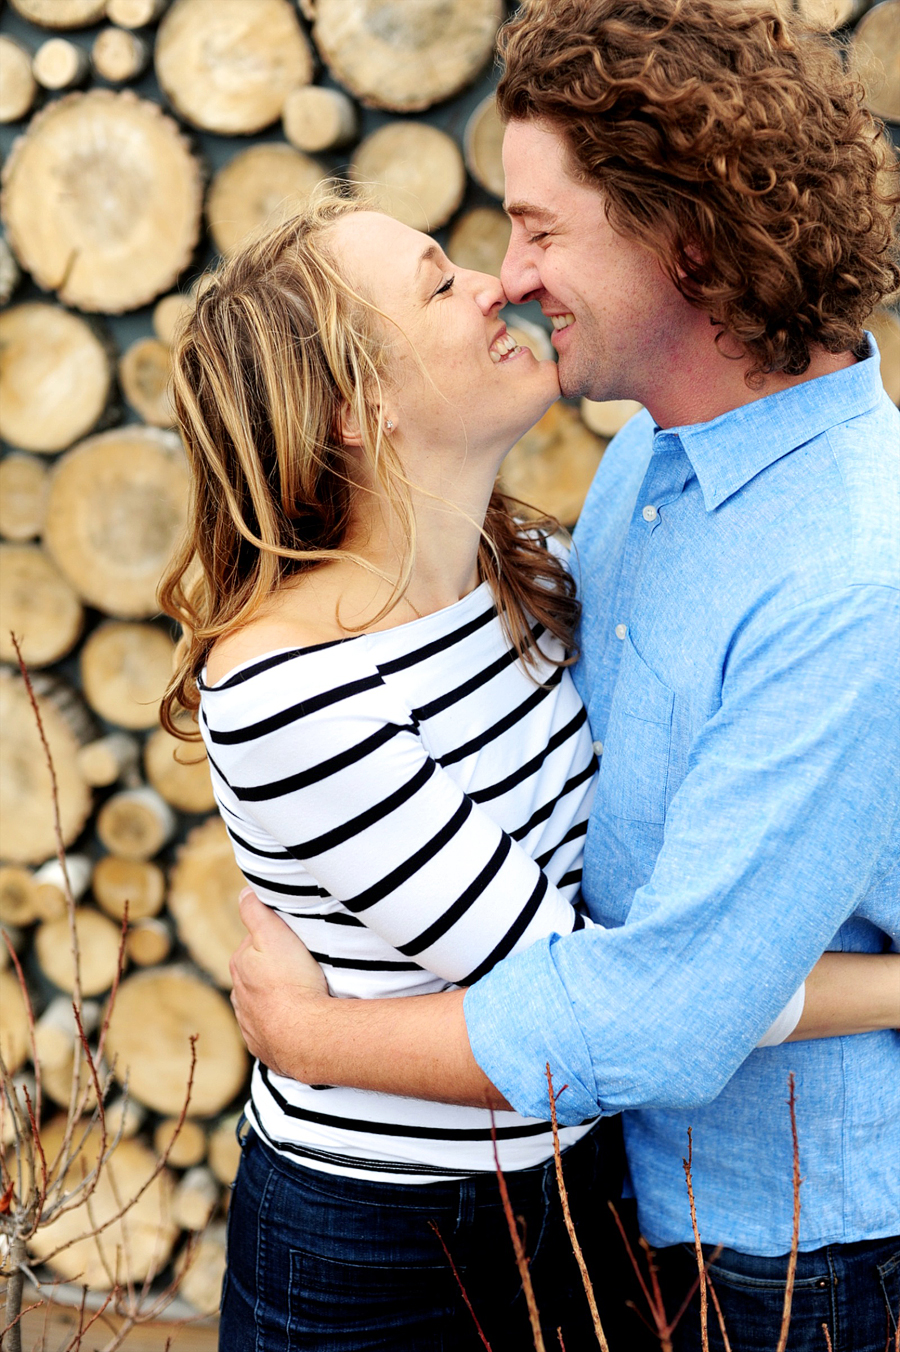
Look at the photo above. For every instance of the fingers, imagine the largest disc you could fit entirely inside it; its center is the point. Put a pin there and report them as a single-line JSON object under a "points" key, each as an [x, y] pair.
{"points": [[261, 921]]}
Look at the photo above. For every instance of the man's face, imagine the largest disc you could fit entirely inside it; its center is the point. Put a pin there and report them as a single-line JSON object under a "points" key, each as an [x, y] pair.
{"points": [[616, 316]]}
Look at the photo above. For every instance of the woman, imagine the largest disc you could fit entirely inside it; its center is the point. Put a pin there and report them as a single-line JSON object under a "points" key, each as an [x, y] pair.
{"points": [[378, 651]]}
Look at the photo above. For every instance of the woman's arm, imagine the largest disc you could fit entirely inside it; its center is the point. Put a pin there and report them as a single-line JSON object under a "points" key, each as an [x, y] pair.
{"points": [[850, 993]]}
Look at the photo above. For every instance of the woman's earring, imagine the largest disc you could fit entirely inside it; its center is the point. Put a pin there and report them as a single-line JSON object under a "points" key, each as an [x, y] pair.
{"points": [[389, 426]]}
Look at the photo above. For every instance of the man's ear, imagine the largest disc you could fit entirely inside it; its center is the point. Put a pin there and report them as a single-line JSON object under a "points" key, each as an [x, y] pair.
{"points": [[348, 429]]}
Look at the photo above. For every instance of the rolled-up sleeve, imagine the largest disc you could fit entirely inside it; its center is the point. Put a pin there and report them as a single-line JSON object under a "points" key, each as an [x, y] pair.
{"points": [[785, 819]]}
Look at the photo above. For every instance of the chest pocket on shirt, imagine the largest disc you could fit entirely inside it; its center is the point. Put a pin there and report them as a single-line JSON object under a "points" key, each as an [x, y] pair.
{"points": [[635, 763]]}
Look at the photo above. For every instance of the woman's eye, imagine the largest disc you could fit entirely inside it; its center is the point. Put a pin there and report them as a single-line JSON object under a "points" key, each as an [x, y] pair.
{"points": [[448, 286]]}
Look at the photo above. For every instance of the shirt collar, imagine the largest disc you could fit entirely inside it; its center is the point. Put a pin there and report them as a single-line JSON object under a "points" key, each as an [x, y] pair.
{"points": [[732, 449]]}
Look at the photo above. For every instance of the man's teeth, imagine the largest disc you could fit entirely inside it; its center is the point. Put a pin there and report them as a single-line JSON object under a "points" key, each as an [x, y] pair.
{"points": [[562, 321], [501, 347]]}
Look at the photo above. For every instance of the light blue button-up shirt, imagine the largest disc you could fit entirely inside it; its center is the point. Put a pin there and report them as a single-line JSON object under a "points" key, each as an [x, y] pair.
{"points": [[741, 666]]}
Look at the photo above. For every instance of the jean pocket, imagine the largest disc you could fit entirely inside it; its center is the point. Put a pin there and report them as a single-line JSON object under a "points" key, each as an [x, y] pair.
{"points": [[747, 1272], [889, 1280], [634, 771]]}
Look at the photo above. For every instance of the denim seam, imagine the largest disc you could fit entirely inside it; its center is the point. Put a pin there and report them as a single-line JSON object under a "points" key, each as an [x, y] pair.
{"points": [[885, 1270], [261, 1264]]}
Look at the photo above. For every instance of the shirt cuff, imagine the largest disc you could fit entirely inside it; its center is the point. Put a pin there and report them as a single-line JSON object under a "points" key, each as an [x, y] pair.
{"points": [[519, 1019], [787, 1020]]}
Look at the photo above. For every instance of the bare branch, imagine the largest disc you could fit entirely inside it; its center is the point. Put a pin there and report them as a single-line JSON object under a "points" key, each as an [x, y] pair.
{"points": [[795, 1233], [518, 1247]]}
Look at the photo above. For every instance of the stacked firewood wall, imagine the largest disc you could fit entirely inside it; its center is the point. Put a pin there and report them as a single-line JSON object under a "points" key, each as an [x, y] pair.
{"points": [[144, 138]]}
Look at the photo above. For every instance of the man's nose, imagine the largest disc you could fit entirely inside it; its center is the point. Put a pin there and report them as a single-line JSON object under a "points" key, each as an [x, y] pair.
{"points": [[519, 277]]}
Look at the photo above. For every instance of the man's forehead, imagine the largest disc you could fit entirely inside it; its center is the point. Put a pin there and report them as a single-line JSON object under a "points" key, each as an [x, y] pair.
{"points": [[524, 207]]}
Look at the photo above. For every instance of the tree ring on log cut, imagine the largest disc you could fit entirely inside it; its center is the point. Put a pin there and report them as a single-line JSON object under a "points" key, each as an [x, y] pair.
{"points": [[60, 64], [875, 58], [203, 899], [125, 669], [134, 13], [18, 86], [483, 144], [136, 881], [229, 67], [413, 172], [132, 1248], [552, 466], [154, 1015], [135, 823], [15, 1040], [98, 946], [144, 372], [405, 55], [61, 13], [24, 485], [479, 240], [201, 1282], [316, 118], [179, 771], [38, 605], [102, 200], [26, 804], [116, 511], [606, 417], [119, 55], [55, 377], [168, 316], [260, 188]]}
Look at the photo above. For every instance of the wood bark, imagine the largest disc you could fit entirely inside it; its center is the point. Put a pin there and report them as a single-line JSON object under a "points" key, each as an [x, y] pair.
{"points": [[60, 64], [61, 13], [50, 885], [168, 316], [55, 377], [135, 823], [257, 190], [117, 509], [201, 1284], [128, 1250], [316, 118], [228, 68], [119, 55], [479, 240], [10, 276], [134, 13], [38, 605], [179, 771], [125, 668], [124, 1117], [413, 171], [26, 822], [144, 373], [101, 200], [137, 882], [156, 1013], [24, 485], [203, 899], [98, 944], [609, 416], [405, 55], [185, 1149], [109, 759], [875, 58], [56, 1031], [552, 466], [483, 143], [18, 86]]}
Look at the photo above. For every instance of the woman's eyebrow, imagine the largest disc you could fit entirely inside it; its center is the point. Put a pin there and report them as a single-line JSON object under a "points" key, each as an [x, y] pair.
{"points": [[433, 254]]}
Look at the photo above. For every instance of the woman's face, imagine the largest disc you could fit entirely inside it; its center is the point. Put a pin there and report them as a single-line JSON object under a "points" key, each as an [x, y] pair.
{"points": [[452, 382]]}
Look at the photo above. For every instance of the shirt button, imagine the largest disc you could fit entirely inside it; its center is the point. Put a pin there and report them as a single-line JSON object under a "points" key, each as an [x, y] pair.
{"points": [[598, 748], [650, 513], [621, 630]]}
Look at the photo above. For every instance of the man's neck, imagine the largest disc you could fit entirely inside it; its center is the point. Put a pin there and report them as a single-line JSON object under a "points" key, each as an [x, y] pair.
{"points": [[710, 381]]}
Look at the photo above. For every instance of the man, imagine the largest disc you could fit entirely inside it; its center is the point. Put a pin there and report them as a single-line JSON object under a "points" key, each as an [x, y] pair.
{"points": [[694, 201]]}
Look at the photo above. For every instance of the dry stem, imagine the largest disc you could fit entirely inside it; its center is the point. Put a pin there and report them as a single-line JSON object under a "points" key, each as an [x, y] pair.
{"points": [[459, 1282], [518, 1247], [698, 1247], [795, 1234]]}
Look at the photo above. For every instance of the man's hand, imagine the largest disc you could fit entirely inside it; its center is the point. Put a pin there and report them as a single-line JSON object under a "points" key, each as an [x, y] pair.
{"points": [[277, 984]]}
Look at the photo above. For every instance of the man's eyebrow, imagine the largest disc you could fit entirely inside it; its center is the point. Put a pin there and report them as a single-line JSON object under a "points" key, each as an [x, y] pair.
{"points": [[528, 209]]}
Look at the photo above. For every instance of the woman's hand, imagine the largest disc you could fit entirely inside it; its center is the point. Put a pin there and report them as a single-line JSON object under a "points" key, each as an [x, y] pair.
{"points": [[277, 983]]}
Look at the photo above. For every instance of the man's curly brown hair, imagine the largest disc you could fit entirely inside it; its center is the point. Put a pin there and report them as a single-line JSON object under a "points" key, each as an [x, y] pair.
{"points": [[734, 146]]}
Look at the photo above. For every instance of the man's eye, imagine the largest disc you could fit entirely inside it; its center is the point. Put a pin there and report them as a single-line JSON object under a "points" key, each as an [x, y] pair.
{"points": [[448, 286], [537, 236]]}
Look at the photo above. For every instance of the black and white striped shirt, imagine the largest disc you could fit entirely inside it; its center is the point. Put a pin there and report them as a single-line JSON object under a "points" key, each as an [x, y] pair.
{"points": [[414, 806]]}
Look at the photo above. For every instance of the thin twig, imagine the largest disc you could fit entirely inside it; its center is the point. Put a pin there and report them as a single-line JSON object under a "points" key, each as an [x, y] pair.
{"points": [[518, 1248], [726, 1345], [432, 1225], [795, 1233], [828, 1338], [567, 1217], [698, 1247]]}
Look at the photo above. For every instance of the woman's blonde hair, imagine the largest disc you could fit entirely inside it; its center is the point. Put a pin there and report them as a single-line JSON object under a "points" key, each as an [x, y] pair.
{"points": [[277, 346]]}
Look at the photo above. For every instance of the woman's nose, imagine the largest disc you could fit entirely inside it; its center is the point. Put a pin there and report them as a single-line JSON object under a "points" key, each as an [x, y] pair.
{"points": [[489, 293]]}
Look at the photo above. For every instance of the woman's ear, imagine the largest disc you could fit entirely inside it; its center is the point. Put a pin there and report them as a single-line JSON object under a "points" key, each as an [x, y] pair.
{"points": [[348, 428]]}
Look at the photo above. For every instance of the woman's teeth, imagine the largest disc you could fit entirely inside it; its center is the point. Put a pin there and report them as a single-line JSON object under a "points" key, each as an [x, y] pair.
{"points": [[502, 347], [561, 321]]}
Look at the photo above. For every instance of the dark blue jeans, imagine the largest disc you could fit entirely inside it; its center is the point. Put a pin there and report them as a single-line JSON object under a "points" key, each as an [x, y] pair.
{"points": [[331, 1263], [851, 1289]]}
